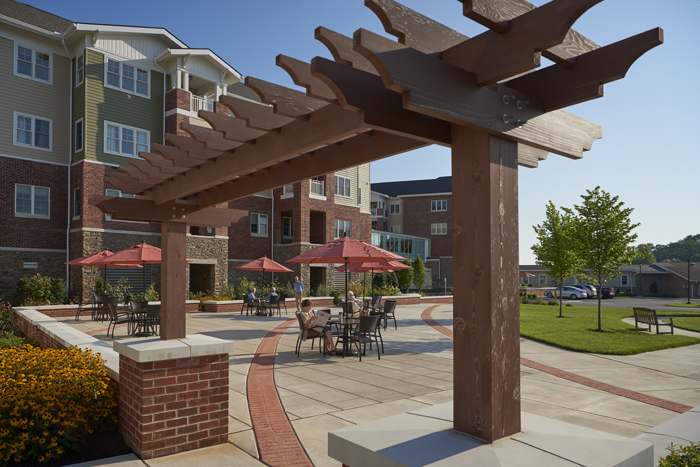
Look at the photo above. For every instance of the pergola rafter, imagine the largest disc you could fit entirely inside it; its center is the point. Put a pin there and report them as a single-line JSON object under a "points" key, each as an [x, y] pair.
{"points": [[379, 97]]}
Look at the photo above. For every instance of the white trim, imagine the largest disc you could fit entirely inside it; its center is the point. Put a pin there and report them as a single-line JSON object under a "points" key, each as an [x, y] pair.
{"points": [[335, 186], [393, 212], [321, 197], [627, 276], [440, 224], [267, 225], [93, 162], [424, 194], [33, 132], [125, 232], [34, 51], [29, 159], [31, 203], [80, 55], [287, 196], [80, 204], [37, 250], [121, 128], [178, 111], [93, 27], [136, 66], [262, 196], [21, 24], [75, 136]]}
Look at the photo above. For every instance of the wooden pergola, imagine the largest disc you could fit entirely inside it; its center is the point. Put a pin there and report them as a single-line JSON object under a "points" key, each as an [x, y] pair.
{"points": [[481, 96]]}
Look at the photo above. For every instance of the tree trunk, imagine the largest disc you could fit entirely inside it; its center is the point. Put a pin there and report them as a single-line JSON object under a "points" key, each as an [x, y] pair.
{"points": [[600, 285]]}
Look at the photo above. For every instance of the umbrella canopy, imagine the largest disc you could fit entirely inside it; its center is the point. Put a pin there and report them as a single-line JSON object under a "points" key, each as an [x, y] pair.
{"points": [[388, 266], [526, 274], [264, 264], [100, 260], [346, 250]]}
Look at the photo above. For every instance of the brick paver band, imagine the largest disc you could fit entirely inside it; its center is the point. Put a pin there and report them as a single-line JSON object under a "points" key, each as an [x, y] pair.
{"points": [[664, 404], [277, 441]]}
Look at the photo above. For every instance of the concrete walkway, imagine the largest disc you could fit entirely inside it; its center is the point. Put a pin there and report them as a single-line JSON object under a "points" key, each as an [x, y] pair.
{"points": [[320, 395]]}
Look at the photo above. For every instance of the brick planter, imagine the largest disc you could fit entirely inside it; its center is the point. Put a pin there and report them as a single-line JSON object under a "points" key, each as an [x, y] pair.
{"points": [[173, 394]]}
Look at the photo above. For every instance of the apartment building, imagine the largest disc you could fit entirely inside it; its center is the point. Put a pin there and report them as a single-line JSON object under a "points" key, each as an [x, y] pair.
{"points": [[82, 99]]}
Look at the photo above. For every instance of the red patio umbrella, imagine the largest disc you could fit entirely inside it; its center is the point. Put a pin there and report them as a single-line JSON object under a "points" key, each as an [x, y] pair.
{"points": [[346, 250], [528, 275], [99, 260], [389, 266], [263, 264]]}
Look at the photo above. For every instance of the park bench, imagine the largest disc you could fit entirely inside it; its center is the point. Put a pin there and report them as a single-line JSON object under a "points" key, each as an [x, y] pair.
{"points": [[647, 316]]}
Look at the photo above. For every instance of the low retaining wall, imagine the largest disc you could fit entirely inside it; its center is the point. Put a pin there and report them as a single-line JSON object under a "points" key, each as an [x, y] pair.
{"points": [[60, 311], [444, 299]]}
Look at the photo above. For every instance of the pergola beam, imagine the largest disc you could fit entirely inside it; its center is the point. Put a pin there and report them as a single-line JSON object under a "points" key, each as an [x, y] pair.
{"points": [[286, 102]]}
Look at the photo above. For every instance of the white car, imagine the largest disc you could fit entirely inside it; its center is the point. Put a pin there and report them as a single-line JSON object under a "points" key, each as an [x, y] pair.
{"points": [[569, 291]]}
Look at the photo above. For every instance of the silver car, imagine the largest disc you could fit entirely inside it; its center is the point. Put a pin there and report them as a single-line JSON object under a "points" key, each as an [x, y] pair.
{"points": [[569, 291], [589, 288]]}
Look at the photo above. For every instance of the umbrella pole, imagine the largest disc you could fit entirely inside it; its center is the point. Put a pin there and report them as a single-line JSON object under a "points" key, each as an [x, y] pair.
{"points": [[143, 271], [346, 280]]}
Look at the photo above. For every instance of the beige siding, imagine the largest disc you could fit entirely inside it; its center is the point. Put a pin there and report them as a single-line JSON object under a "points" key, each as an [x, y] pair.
{"points": [[353, 173], [50, 101], [395, 219], [364, 183]]}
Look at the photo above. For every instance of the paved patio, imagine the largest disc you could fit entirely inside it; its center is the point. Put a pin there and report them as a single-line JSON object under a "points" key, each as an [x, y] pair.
{"points": [[320, 395]]}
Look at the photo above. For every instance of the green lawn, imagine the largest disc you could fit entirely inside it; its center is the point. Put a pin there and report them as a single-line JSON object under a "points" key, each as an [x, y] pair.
{"points": [[691, 324], [576, 331], [684, 305]]}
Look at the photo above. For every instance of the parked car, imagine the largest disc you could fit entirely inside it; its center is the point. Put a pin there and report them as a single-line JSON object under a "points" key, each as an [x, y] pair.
{"points": [[607, 292], [589, 288], [568, 291]]}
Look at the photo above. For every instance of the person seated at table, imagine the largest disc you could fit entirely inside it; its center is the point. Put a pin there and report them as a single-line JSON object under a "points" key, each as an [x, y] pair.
{"points": [[251, 295], [307, 315], [353, 306], [273, 293]]}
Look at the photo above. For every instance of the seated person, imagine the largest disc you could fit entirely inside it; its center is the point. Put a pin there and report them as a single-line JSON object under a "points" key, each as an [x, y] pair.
{"points": [[251, 295], [353, 306], [306, 315], [273, 293]]}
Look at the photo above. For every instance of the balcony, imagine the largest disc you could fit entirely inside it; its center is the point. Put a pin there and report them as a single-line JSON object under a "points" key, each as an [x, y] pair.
{"points": [[378, 212], [198, 103], [317, 188]]}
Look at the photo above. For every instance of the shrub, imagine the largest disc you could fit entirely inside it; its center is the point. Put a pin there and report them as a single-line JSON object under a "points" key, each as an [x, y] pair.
{"points": [[40, 290], [121, 290], [654, 288], [539, 301], [524, 300], [681, 456], [568, 304], [553, 302], [419, 273], [532, 296], [50, 400], [228, 292], [149, 296], [100, 287], [407, 276]]}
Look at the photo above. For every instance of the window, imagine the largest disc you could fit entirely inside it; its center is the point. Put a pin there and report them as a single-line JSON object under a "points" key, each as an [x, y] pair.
{"points": [[31, 201], [258, 224], [342, 186], [79, 69], [624, 279], [438, 229], [395, 228], [439, 205], [79, 135], [543, 279], [33, 64], [76, 202], [394, 209], [287, 227], [125, 140], [127, 78], [32, 132], [117, 193], [340, 228], [288, 190]]}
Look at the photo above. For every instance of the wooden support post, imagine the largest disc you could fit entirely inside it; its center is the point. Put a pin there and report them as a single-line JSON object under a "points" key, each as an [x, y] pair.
{"points": [[485, 278], [172, 284]]}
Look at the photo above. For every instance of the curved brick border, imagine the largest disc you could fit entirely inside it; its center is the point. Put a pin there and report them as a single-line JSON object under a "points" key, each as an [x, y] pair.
{"points": [[664, 404], [277, 442]]}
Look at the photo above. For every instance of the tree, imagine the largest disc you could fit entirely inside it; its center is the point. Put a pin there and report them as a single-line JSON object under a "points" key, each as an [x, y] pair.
{"points": [[602, 236], [406, 275], [419, 273], [682, 250], [554, 248], [645, 256]]}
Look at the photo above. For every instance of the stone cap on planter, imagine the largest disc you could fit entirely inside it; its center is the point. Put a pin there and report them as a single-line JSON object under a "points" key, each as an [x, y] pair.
{"points": [[156, 349]]}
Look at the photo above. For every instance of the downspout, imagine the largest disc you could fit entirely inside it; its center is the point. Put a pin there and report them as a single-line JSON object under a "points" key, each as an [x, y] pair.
{"points": [[272, 232], [70, 160], [165, 75]]}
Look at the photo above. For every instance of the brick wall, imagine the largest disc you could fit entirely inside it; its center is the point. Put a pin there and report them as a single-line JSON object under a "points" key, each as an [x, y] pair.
{"points": [[41, 339], [241, 244], [171, 406], [417, 219], [177, 99], [22, 232]]}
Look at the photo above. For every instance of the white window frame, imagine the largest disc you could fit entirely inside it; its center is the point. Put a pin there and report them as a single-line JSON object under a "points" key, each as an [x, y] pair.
{"points": [[438, 229], [121, 135], [438, 205], [80, 139], [119, 194], [33, 131], [542, 279], [395, 228], [31, 202], [624, 280], [34, 51], [259, 224], [338, 230], [77, 203], [395, 209], [291, 227], [121, 77], [79, 70], [346, 187]]}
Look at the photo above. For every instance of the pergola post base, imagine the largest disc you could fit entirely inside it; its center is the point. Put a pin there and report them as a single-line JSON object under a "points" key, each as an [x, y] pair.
{"points": [[427, 437], [173, 395]]}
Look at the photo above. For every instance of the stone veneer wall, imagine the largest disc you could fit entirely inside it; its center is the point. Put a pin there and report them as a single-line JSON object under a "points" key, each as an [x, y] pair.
{"points": [[12, 270], [209, 248]]}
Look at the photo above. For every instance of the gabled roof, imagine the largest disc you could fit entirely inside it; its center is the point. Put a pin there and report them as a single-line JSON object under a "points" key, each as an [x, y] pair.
{"points": [[33, 16], [414, 187], [681, 269]]}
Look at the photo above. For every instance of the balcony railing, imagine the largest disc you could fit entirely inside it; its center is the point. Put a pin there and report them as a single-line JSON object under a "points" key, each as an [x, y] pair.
{"points": [[318, 188], [198, 103], [379, 212]]}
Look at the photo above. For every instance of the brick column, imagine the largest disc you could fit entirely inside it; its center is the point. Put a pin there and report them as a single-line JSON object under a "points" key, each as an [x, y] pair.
{"points": [[173, 395]]}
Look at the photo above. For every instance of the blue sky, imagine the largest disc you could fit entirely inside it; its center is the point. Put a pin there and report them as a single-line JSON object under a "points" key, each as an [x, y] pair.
{"points": [[647, 155]]}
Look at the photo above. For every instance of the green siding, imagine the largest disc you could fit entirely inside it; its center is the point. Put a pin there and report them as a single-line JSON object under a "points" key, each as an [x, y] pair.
{"points": [[78, 113], [119, 107]]}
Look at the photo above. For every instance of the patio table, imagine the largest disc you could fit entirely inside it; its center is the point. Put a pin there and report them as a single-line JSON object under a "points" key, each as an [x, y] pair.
{"points": [[343, 326]]}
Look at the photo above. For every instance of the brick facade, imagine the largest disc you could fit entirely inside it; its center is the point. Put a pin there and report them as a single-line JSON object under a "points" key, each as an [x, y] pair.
{"points": [[171, 406], [418, 218]]}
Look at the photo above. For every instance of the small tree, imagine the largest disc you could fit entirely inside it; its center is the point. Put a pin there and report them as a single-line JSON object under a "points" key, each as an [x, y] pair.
{"points": [[644, 255], [406, 275], [554, 247], [602, 236], [419, 273]]}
